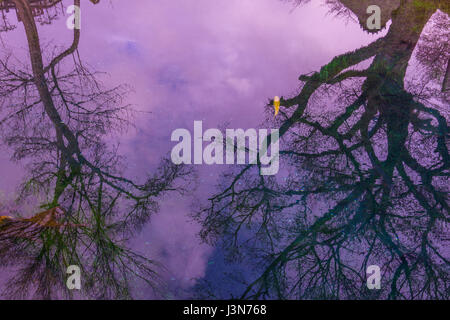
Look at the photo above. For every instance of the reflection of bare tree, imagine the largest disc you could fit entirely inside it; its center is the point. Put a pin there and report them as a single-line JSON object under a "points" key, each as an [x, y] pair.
{"points": [[368, 177], [55, 117]]}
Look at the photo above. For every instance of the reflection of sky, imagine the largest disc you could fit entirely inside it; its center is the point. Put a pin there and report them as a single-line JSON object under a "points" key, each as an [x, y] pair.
{"points": [[216, 61]]}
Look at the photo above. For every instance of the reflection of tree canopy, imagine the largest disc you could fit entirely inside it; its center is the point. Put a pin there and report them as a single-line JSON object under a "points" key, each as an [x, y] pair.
{"points": [[55, 116], [366, 151]]}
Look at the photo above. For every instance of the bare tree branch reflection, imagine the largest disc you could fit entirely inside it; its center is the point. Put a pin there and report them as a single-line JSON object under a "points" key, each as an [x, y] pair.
{"points": [[56, 117], [367, 163]]}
